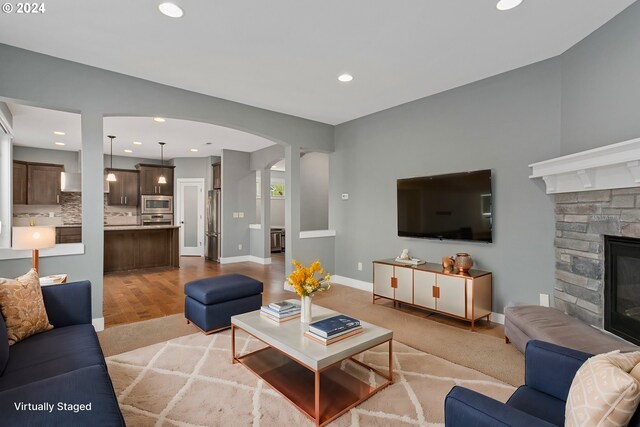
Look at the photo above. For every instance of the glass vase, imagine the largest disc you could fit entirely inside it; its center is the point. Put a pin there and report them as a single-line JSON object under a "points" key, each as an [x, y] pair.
{"points": [[305, 314]]}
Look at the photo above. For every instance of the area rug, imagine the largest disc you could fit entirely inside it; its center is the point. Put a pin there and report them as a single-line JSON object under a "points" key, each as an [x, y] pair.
{"points": [[190, 381]]}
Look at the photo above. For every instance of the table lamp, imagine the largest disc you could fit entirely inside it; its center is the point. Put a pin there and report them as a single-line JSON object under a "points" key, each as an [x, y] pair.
{"points": [[33, 238]]}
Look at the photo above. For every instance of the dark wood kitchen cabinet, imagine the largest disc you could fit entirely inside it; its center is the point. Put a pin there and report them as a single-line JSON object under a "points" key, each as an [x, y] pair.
{"points": [[69, 234], [131, 248], [124, 192], [43, 183], [19, 183], [149, 175]]}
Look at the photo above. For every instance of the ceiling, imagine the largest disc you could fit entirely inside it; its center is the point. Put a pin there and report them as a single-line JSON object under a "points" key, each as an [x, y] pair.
{"points": [[35, 127], [285, 55]]}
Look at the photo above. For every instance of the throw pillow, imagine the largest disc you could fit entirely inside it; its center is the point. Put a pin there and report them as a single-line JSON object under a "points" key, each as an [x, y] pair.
{"points": [[603, 393], [23, 307]]}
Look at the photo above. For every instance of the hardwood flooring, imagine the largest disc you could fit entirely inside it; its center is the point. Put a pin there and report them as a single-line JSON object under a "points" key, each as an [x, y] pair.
{"points": [[147, 294], [133, 296]]}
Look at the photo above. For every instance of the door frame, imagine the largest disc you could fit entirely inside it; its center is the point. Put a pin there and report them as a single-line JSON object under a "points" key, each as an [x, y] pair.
{"points": [[179, 214]]}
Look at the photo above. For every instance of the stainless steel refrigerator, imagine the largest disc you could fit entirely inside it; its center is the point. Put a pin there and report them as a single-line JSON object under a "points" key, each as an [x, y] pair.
{"points": [[213, 231]]}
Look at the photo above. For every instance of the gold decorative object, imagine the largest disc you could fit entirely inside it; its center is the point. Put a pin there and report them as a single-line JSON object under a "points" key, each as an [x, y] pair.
{"points": [[463, 262], [447, 263]]}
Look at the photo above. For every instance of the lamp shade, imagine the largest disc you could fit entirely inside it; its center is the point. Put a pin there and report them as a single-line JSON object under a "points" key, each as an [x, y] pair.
{"points": [[33, 237]]}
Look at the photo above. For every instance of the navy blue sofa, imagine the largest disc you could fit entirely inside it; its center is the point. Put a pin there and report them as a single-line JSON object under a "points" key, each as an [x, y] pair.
{"points": [[58, 377], [549, 371]]}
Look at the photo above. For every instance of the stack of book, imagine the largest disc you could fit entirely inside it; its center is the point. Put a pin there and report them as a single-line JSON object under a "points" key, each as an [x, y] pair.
{"points": [[281, 311], [336, 328]]}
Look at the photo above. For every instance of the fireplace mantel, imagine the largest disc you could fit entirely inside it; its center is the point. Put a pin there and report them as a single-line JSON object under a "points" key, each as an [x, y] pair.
{"points": [[603, 168]]}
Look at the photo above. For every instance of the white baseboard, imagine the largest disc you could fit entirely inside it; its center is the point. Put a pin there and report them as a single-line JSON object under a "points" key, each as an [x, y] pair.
{"points": [[234, 259], [98, 324], [368, 287], [258, 260], [497, 318], [245, 258], [352, 283]]}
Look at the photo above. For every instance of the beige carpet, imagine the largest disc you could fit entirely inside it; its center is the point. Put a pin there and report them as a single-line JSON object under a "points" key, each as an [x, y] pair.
{"points": [[190, 381], [484, 353]]}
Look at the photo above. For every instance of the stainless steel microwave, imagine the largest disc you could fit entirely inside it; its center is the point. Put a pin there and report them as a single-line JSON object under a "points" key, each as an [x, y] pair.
{"points": [[156, 205]]}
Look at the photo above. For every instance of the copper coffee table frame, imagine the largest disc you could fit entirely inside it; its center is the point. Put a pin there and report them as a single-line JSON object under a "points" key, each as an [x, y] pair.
{"points": [[300, 384]]}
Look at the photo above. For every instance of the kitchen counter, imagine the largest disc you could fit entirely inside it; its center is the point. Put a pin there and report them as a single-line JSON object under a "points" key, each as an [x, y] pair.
{"points": [[133, 247], [138, 227], [67, 225]]}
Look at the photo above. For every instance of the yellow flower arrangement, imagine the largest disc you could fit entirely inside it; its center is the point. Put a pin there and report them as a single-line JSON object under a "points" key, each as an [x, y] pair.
{"points": [[304, 281]]}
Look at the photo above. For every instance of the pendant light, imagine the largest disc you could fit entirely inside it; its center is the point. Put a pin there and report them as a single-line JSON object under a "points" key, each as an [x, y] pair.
{"points": [[162, 179], [111, 177]]}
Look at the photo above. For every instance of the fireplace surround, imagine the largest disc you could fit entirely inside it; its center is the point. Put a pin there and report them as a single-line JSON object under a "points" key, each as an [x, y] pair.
{"points": [[622, 287]]}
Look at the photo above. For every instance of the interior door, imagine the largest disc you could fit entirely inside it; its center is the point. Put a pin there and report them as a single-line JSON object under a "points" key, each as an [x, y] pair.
{"points": [[190, 216]]}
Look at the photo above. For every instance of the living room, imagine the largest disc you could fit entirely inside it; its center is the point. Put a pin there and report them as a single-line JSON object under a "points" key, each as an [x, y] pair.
{"points": [[535, 86]]}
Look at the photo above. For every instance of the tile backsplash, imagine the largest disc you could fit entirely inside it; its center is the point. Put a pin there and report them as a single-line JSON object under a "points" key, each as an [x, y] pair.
{"points": [[120, 215], [69, 211]]}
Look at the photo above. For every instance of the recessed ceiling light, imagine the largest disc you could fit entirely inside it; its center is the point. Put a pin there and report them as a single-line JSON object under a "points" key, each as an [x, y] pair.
{"points": [[59, 143], [171, 10], [195, 150], [508, 4], [57, 132], [345, 78], [159, 119], [137, 143], [128, 151]]}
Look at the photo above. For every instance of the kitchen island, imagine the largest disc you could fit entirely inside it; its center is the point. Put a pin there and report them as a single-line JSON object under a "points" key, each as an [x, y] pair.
{"points": [[132, 247]]}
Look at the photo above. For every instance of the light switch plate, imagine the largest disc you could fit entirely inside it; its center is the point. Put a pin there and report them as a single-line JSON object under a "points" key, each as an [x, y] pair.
{"points": [[345, 196], [235, 214], [240, 214]]}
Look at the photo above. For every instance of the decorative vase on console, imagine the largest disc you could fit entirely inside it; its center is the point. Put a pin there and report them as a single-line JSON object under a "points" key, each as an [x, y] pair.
{"points": [[304, 281], [447, 263], [463, 262]]}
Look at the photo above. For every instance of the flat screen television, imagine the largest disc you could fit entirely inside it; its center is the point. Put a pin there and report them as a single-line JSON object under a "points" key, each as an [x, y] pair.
{"points": [[453, 207]]}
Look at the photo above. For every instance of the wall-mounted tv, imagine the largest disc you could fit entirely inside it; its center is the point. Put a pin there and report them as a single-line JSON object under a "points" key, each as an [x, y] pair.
{"points": [[453, 207]]}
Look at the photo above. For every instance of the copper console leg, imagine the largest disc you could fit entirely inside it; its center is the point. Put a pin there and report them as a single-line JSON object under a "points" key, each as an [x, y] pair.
{"points": [[391, 360], [233, 345], [317, 397]]}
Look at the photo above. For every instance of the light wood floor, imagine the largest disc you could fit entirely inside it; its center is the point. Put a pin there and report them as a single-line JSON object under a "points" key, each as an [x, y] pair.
{"points": [[146, 294], [141, 295]]}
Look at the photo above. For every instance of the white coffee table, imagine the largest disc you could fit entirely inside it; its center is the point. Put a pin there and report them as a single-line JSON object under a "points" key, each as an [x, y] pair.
{"points": [[306, 372]]}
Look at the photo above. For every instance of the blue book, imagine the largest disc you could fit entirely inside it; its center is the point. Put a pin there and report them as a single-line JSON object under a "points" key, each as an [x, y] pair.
{"points": [[333, 325]]}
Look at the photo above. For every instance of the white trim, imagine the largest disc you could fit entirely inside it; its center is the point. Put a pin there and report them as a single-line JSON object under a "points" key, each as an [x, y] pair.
{"points": [[602, 168], [497, 318], [98, 324], [4, 124], [179, 211], [352, 283], [61, 249], [234, 259], [245, 258], [255, 226], [312, 234]]}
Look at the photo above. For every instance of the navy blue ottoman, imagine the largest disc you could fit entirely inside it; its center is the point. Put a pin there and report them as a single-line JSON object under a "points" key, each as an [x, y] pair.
{"points": [[210, 302]]}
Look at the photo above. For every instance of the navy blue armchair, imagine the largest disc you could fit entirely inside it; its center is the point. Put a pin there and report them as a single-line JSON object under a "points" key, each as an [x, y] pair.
{"points": [[549, 371]]}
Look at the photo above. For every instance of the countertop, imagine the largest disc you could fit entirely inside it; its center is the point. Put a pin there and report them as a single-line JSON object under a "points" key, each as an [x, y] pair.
{"points": [[137, 227], [67, 225]]}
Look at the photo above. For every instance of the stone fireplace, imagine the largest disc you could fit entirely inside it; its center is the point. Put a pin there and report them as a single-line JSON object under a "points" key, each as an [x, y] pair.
{"points": [[583, 219], [597, 196]]}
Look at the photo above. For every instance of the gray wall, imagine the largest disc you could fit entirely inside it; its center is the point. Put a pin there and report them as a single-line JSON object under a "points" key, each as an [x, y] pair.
{"points": [[238, 195], [94, 93], [43, 155], [601, 85], [314, 191], [501, 123]]}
